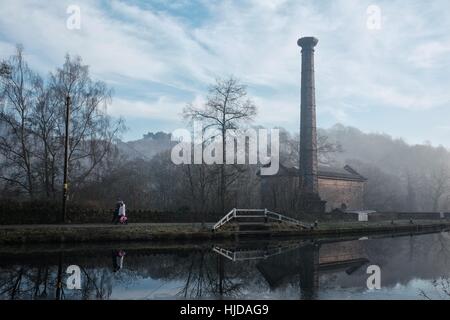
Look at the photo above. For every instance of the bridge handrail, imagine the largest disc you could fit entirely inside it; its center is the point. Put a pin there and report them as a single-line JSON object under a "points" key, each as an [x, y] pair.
{"points": [[281, 217], [224, 252], [267, 214], [253, 254], [225, 219]]}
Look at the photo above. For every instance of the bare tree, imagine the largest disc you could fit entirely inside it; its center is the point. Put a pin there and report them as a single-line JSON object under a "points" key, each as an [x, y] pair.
{"points": [[44, 121], [91, 129], [326, 148], [410, 204], [32, 123], [200, 179], [227, 108], [438, 184], [17, 95]]}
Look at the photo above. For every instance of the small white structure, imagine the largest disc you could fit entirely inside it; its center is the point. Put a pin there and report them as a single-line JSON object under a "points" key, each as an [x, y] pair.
{"points": [[363, 215]]}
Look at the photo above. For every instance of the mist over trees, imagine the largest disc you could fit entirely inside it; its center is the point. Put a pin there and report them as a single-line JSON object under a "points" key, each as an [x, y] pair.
{"points": [[401, 177]]}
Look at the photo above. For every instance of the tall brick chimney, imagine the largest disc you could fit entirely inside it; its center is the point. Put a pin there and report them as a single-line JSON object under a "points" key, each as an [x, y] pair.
{"points": [[308, 133]]}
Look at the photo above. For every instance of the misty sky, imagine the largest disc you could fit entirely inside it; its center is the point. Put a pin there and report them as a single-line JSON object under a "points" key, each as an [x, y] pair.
{"points": [[160, 56]]}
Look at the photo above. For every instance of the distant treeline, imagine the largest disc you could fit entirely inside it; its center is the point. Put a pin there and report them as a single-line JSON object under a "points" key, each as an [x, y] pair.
{"points": [[401, 177]]}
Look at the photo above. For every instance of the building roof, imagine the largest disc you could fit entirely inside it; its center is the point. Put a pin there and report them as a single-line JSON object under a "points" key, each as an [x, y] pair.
{"points": [[345, 173], [324, 172]]}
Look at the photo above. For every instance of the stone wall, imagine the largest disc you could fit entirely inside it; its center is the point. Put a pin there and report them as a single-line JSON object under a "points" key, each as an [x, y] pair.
{"points": [[383, 216], [338, 192], [281, 193]]}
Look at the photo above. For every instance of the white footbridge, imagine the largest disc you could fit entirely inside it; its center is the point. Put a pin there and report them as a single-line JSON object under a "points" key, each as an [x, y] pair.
{"points": [[258, 214]]}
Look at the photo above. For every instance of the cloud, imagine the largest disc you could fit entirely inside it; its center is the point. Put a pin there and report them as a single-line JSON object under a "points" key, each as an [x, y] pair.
{"points": [[430, 55], [164, 108], [181, 48]]}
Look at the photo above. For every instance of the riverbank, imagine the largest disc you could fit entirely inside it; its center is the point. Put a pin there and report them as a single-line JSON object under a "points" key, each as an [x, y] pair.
{"points": [[27, 234]]}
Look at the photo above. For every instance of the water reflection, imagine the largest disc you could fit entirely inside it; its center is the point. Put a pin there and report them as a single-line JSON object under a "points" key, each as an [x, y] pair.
{"points": [[117, 258], [412, 267], [299, 265]]}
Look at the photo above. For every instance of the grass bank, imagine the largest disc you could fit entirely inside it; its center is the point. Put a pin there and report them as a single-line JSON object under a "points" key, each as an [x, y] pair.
{"points": [[30, 234]]}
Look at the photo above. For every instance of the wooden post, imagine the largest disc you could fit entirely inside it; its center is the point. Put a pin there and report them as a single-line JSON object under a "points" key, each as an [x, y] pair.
{"points": [[66, 161]]}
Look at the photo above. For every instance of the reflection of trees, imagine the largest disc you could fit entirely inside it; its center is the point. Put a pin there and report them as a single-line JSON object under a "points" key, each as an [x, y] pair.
{"points": [[201, 273], [25, 282], [45, 281], [59, 284], [438, 248], [443, 244], [11, 286], [41, 283], [441, 289], [206, 276], [98, 284]]}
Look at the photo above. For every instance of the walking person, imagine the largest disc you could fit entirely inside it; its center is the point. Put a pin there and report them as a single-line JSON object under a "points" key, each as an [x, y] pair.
{"points": [[116, 212], [122, 213]]}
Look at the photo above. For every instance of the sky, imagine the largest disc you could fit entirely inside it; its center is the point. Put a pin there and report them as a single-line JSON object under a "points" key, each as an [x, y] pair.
{"points": [[381, 66]]}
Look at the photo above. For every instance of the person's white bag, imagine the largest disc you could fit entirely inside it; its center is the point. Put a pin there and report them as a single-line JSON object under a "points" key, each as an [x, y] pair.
{"points": [[122, 210]]}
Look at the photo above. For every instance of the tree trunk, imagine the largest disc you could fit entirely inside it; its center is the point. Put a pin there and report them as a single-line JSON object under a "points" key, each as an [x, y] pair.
{"points": [[223, 184]]}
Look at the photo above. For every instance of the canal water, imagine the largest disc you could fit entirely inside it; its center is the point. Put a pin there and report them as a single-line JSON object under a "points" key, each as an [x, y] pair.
{"points": [[408, 266]]}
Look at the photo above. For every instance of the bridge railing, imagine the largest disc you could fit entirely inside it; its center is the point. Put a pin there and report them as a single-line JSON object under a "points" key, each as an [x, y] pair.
{"points": [[257, 213], [230, 215], [255, 254], [279, 217]]}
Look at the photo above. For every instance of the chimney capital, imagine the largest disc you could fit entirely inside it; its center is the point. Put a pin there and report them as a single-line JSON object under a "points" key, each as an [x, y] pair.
{"points": [[307, 42]]}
